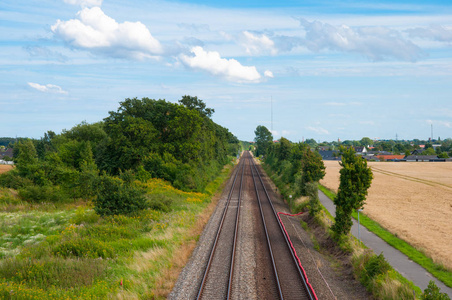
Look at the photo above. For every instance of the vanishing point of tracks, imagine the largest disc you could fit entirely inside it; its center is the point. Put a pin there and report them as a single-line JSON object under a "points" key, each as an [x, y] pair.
{"points": [[282, 277]]}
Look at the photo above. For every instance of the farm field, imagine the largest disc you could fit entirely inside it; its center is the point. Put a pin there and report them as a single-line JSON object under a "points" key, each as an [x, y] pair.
{"points": [[5, 168], [412, 201]]}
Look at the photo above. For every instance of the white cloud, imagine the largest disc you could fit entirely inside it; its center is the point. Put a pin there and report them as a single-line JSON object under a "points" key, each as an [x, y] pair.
{"points": [[268, 73], [84, 3], [318, 130], [48, 88], [256, 44], [376, 43], [100, 34], [212, 62], [433, 32]]}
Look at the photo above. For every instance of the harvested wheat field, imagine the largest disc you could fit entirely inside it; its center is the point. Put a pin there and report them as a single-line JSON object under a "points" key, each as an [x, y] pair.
{"points": [[5, 168], [412, 200]]}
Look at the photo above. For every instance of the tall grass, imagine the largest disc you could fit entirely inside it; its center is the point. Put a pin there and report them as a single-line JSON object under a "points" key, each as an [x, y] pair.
{"points": [[73, 253]]}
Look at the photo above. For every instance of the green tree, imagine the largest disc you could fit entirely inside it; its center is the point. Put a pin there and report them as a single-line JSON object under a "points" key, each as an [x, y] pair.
{"points": [[263, 139], [284, 149], [197, 104], [355, 180], [365, 141]]}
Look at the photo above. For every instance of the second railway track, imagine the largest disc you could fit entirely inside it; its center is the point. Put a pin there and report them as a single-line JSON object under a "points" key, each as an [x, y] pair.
{"points": [[279, 275]]}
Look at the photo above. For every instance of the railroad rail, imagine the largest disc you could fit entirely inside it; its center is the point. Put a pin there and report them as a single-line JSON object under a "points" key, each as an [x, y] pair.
{"points": [[291, 282], [217, 277]]}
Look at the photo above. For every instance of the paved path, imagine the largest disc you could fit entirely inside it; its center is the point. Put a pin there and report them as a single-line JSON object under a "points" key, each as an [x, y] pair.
{"points": [[399, 261]]}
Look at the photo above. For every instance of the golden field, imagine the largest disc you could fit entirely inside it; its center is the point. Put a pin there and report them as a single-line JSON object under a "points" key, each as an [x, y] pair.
{"points": [[5, 168], [412, 200]]}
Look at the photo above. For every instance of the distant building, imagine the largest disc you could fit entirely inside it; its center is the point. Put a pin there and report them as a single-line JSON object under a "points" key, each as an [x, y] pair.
{"points": [[329, 155], [6, 153], [390, 157], [423, 158], [361, 150]]}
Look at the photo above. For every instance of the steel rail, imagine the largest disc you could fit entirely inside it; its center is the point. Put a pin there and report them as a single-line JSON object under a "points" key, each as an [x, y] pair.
{"points": [[231, 271], [220, 227], [305, 285], [275, 271]]}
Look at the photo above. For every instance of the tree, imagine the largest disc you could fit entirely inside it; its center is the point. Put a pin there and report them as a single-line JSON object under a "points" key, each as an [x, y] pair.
{"points": [[284, 149], [197, 104], [365, 141], [263, 139], [355, 180]]}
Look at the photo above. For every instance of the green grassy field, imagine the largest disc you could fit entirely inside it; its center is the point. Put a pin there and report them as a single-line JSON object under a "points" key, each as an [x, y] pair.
{"points": [[69, 252]]}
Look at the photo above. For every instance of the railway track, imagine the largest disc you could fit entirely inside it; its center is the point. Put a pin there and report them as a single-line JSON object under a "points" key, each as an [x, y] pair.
{"points": [[290, 282], [282, 276], [217, 278]]}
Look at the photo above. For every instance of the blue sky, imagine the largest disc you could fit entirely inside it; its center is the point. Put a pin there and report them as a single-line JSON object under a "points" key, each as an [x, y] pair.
{"points": [[331, 70]]}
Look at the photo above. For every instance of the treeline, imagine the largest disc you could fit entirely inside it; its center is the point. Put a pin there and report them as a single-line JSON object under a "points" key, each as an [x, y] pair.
{"points": [[298, 168], [143, 139]]}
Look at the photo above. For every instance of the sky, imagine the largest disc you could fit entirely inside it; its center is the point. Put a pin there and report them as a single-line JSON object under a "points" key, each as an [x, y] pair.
{"points": [[320, 69]]}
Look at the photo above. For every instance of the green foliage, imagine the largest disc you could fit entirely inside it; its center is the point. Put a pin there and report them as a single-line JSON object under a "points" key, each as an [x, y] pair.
{"points": [[374, 266], [432, 292], [263, 140], [355, 180], [45, 193], [114, 197], [314, 202]]}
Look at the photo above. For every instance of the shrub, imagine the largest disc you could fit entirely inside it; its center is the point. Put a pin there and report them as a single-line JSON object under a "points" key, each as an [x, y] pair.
{"points": [[47, 193], [432, 293], [86, 248], [375, 266], [159, 202], [114, 197]]}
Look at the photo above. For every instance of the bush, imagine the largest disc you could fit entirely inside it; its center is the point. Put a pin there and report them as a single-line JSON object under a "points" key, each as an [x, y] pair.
{"points": [[375, 266], [114, 197], [13, 180], [432, 293], [159, 202], [47, 193], [86, 248]]}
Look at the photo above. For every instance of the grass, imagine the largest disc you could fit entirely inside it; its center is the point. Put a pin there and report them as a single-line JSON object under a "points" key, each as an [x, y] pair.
{"points": [[69, 252], [417, 256]]}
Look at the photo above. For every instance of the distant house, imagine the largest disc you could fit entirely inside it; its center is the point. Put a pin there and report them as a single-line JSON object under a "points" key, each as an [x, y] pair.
{"points": [[361, 150], [7, 153], [329, 155], [423, 158], [390, 157], [370, 158], [417, 151], [4, 162]]}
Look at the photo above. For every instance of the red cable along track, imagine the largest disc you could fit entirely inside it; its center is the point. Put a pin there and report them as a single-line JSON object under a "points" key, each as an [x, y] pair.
{"points": [[293, 248]]}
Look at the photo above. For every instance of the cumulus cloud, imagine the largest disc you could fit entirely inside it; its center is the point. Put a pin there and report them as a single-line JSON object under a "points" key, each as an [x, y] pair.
{"points": [[212, 62], [434, 32], [256, 44], [48, 88], [268, 73], [84, 3], [318, 130], [96, 32], [376, 43]]}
